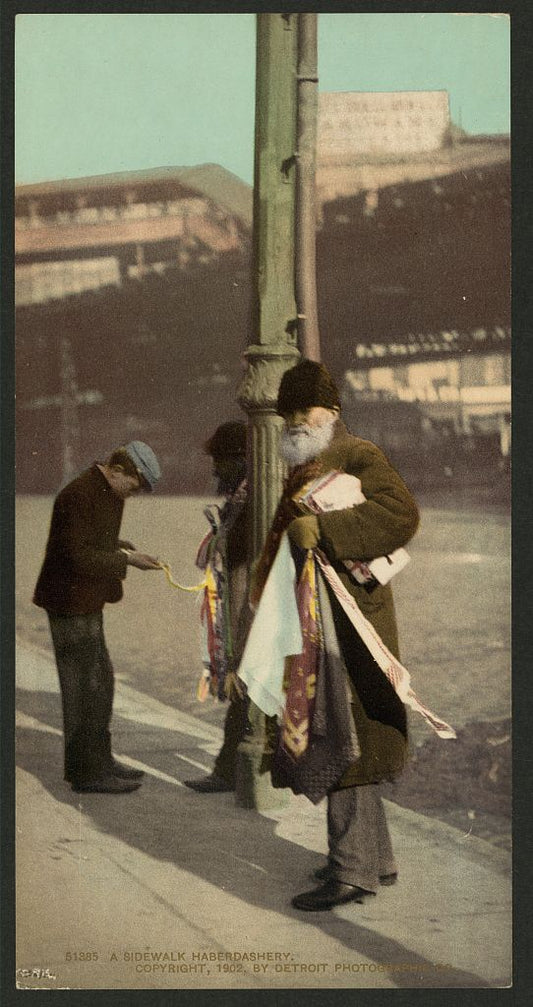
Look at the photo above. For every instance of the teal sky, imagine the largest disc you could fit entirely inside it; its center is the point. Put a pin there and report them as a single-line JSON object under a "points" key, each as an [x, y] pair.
{"points": [[99, 93]]}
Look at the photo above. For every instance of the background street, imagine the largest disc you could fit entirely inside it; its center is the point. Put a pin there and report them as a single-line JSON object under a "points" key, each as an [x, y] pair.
{"points": [[452, 602]]}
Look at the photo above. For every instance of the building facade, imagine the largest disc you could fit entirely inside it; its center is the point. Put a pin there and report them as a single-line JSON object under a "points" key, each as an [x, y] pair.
{"points": [[148, 274]]}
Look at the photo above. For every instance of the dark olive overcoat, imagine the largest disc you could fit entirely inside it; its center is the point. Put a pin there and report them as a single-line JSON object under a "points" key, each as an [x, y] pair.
{"points": [[385, 522]]}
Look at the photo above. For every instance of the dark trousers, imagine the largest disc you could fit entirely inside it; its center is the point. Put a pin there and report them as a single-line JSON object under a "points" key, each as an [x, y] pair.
{"points": [[87, 687], [360, 848], [235, 727]]}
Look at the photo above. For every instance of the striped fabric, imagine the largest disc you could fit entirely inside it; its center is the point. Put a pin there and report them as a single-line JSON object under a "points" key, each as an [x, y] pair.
{"points": [[397, 675]]}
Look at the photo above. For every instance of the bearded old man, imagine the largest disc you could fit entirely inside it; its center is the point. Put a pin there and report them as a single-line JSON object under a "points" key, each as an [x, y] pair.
{"points": [[368, 742]]}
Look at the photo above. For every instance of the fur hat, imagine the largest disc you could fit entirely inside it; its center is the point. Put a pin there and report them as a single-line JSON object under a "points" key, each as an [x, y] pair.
{"points": [[305, 385], [228, 441]]}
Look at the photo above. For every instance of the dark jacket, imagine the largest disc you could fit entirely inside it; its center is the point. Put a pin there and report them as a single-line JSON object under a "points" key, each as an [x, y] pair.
{"points": [[386, 521], [83, 567]]}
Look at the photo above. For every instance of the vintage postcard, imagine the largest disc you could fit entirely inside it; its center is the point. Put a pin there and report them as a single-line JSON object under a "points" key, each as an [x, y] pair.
{"points": [[254, 251]]}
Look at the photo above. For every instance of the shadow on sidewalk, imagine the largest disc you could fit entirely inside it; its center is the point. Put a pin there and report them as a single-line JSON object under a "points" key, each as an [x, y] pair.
{"points": [[224, 848]]}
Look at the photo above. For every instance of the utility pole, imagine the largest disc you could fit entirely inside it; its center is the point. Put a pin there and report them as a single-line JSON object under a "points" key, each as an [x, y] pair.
{"points": [[305, 226], [70, 426], [273, 349]]}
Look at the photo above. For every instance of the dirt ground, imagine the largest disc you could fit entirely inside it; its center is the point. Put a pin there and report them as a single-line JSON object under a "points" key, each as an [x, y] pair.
{"points": [[452, 603]]}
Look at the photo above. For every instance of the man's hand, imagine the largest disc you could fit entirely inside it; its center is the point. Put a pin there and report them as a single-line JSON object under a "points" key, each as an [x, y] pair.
{"points": [[304, 532], [142, 561]]}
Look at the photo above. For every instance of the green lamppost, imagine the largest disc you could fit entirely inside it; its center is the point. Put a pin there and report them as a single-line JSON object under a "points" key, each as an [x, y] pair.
{"points": [[273, 348], [285, 311]]}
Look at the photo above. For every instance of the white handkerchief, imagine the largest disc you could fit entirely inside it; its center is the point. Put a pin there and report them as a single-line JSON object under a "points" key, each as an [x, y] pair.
{"points": [[275, 634]]}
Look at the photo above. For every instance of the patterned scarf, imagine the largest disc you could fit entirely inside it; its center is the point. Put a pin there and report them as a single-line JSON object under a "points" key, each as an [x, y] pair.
{"points": [[301, 669], [215, 614]]}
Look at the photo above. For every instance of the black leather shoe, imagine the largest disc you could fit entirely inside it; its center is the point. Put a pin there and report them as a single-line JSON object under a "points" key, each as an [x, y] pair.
{"points": [[210, 785], [125, 772], [325, 872], [388, 879], [333, 893], [106, 785]]}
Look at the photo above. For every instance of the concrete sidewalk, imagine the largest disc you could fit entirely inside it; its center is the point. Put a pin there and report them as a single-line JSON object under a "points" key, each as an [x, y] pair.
{"points": [[166, 888]]}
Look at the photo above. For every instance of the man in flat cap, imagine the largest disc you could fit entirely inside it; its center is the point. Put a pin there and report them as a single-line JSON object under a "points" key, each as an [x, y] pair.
{"points": [[316, 443], [225, 611], [84, 566]]}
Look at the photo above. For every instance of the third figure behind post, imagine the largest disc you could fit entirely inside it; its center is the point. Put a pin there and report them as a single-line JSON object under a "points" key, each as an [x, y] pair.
{"points": [[226, 614]]}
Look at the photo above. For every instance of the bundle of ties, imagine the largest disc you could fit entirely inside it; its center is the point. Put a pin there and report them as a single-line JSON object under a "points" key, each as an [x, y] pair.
{"points": [[284, 682]]}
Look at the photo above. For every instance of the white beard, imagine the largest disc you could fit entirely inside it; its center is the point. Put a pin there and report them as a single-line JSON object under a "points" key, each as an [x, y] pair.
{"points": [[302, 443]]}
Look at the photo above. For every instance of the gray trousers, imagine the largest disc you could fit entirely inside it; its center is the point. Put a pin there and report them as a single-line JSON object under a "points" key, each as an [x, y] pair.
{"points": [[360, 848], [87, 686]]}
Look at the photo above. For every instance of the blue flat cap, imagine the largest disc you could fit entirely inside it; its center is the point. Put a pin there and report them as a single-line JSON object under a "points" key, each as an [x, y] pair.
{"points": [[145, 461]]}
